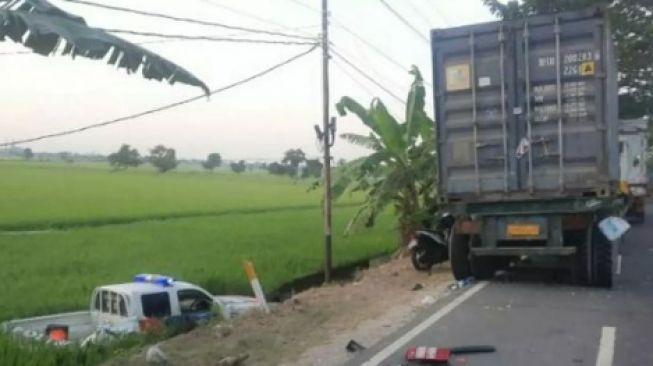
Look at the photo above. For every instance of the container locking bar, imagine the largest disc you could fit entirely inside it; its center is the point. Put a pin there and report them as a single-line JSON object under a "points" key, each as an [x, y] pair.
{"points": [[472, 61], [527, 76], [561, 167], [504, 120]]}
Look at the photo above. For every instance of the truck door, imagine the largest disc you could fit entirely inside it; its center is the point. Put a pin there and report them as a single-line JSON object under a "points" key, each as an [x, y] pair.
{"points": [[563, 126], [194, 305]]}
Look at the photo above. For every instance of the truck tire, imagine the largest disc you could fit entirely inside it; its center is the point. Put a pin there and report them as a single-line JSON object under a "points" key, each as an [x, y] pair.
{"points": [[601, 259], [582, 261], [459, 256]]}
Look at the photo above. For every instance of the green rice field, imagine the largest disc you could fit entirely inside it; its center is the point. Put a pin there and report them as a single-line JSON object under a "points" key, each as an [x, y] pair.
{"points": [[66, 228]]}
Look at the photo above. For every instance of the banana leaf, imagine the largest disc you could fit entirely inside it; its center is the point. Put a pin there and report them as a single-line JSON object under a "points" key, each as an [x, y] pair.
{"points": [[48, 30]]}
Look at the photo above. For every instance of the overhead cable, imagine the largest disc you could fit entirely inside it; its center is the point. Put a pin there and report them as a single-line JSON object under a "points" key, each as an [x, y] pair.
{"points": [[368, 77], [185, 20], [205, 38], [255, 17], [161, 108], [353, 78], [405, 21]]}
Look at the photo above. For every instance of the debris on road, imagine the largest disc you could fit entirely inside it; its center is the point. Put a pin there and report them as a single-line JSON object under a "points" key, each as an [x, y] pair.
{"points": [[233, 360], [443, 355], [155, 356], [462, 284], [354, 346], [428, 300], [417, 287]]}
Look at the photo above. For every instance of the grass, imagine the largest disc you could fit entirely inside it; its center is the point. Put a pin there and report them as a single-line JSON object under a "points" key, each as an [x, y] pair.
{"points": [[53, 271], [37, 195]]}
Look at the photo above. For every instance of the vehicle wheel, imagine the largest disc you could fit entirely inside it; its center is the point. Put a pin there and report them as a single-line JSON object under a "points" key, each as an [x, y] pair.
{"points": [[422, 258], [582, 261], [459, 256], [602, 259]]}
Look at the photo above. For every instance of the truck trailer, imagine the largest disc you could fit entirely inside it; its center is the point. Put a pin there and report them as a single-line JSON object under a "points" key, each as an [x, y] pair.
{"points": [[527, 142], [633, 153]]}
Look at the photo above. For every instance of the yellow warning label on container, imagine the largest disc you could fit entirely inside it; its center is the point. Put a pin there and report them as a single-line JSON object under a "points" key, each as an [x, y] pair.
{"points": [[458, 77], [587, 68]]}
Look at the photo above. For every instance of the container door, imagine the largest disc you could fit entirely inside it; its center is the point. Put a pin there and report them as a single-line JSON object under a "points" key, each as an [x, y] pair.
{"points": [[562, 130], [475, 119]]}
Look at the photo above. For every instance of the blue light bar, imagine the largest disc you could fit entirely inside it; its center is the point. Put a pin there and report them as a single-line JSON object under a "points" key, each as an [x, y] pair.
{"points": [[156, 279]]}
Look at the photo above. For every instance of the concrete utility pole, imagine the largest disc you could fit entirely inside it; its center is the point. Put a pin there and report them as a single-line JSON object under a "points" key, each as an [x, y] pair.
{"points": [[326, 141]]}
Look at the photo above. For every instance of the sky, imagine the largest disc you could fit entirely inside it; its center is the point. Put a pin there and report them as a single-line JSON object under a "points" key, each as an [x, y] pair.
{"points": [[256, 121]]}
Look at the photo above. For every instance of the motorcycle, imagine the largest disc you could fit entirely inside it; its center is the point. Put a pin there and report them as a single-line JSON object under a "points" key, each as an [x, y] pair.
{"points": [[430, 246]]}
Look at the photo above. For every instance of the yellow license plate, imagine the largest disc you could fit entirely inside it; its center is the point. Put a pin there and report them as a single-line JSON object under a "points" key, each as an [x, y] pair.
{"points": [[523, 230]]}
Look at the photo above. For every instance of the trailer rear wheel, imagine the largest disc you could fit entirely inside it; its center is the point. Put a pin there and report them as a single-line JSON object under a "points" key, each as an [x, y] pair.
{"points": [[601, 259], [459, 256], [582, 262]]}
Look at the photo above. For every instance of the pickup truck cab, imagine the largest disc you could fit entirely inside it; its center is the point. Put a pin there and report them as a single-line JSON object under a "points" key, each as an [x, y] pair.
{"points": [[133, 306]]}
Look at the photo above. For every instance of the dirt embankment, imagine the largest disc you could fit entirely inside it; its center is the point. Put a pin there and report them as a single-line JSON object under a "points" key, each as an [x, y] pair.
{"points": [[313, 327]]}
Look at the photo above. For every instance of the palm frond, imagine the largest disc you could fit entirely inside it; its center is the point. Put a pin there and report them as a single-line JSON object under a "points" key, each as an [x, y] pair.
{"points": [[369, 142], [47, 30]]}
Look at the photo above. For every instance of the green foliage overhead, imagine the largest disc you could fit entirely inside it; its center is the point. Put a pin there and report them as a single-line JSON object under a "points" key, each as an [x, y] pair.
{"points": [[47, 30], [163, 158], [125, 157], [401, 169], [632, 26]]}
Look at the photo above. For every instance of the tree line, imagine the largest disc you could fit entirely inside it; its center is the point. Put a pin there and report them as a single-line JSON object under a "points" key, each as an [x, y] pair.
{"points": [[293, 164]]}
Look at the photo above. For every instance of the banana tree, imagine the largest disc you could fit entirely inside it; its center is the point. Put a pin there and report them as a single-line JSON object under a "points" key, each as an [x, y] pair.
{"points": [[47, 30], [400, 171]]}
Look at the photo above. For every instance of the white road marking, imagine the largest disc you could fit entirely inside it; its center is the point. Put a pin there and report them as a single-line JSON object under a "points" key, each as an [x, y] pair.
{"points": [[400, 342], [606, 347], [618, 270]]}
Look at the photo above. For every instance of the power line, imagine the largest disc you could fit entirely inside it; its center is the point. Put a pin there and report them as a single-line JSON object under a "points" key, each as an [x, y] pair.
{"points": [[254, 16], [368, 77], [353, 78], [419, 13], [185, 20], [404, 20], [161, 108], [367, 66], [440, 14], [205, 38], [360, 38]]}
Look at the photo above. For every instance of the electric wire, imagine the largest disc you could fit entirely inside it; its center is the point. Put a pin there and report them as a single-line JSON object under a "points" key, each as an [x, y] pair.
{"points": [[256, 17], [405, 21], [161, 108], [185, 20], [367, 76], [205, 38]]}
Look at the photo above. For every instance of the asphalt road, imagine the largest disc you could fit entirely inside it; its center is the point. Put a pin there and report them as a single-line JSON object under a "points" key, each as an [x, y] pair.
{"points": [[542, 321]]}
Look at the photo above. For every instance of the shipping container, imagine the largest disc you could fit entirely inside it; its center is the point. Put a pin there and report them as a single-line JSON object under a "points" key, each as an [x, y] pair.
{"points": [[527, 141], [527, 108]]}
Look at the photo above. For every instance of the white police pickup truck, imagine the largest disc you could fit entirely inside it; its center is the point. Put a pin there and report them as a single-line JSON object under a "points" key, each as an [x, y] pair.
{"points": [[131, 307]]}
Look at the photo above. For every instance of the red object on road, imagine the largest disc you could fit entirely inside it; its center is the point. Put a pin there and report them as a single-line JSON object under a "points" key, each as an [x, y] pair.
{"points": [[428, 354]]}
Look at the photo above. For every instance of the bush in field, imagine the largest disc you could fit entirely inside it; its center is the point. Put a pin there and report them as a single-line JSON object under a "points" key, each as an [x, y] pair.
{"points": [[214, 160], [28, 154], [313, 168], [238, 167], [125, 157], [278, 169], [163, 158]]}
